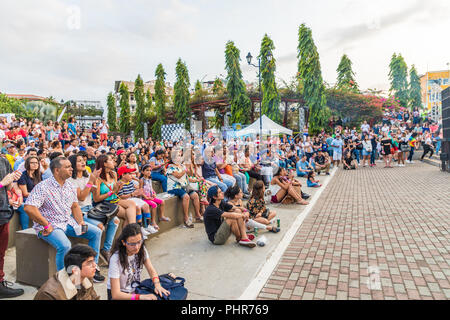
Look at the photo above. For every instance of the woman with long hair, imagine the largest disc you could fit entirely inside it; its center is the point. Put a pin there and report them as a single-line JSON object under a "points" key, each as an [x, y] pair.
{"points": [[108, 186], [178, 185], [84, 182], [281, 186], [129, 256], [29, 179]]}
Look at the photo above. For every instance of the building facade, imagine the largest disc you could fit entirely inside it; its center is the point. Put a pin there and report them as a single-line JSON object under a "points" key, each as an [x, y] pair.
{"points": [[432, 83], [149, 85]]}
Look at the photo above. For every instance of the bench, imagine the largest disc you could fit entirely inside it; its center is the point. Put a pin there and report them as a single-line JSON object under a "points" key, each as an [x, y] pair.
{"points": [[36, 260]]}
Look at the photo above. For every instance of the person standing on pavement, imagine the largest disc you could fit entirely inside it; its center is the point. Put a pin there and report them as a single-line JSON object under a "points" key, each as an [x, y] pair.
{"points": [[7, 177]]}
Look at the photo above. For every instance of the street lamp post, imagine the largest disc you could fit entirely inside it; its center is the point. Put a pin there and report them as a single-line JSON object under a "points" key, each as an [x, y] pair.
{"points": [[249, 61]]}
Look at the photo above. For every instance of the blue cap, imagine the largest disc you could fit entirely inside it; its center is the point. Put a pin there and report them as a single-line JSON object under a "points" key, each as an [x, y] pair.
{"points": [[212, 192]]}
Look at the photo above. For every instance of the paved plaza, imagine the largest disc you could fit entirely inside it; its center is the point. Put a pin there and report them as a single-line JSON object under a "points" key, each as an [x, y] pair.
{"points": [[374, 233]]}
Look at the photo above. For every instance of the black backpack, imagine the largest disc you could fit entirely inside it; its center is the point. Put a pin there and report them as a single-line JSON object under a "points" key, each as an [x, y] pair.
{"points": [[177, 289]]}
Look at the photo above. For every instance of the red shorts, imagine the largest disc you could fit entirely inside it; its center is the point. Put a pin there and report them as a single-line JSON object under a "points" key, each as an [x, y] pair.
{"points": [[103, 136], [274, 199]]}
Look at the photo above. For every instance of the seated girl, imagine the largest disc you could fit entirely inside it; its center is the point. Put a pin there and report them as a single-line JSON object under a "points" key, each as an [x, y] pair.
{"points": [[260, 216], [312, 182], [282, 185], [149, 196], [126, 264]]}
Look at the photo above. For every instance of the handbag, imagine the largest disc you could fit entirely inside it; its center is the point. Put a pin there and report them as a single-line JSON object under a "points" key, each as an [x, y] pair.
{"points": [[103, 212]]}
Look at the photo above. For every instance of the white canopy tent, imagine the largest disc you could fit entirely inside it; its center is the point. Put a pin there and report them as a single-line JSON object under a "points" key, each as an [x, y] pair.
{"points": [[269, 127]]}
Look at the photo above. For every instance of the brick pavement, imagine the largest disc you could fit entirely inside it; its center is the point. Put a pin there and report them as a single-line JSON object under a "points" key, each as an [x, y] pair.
{"points": [[374, 234]]}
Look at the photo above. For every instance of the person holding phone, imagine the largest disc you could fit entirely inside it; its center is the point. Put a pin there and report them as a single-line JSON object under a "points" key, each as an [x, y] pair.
{"points": [[53, 206], [74, 282]]}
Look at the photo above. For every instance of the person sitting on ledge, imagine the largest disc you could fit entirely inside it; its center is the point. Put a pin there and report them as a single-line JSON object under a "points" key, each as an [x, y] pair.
{"points": [[74, 282]]}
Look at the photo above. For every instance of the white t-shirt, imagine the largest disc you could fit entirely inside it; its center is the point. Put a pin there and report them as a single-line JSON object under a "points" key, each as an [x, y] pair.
{"points": [[103, 128], [385, 129], [81, 183], [133, 273], [365, 127]]}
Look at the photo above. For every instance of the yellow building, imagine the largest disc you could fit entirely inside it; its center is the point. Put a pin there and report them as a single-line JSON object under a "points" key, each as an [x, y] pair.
{"points": [[431, 84]]}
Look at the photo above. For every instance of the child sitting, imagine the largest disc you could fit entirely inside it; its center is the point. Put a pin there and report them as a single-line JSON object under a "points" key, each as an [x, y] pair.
{"points": [[128, 191], [149, 196], [256, 206], [311, 182]]}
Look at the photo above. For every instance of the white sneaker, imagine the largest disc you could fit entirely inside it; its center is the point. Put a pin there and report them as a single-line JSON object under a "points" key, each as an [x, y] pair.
{"points": [[411, 161], [144, 232], [151, 230], [407, 161]]}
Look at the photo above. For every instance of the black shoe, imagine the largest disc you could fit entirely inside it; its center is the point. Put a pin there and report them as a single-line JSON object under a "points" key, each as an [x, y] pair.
{"points": [[305, 196], [327, 173], [98, 277], [6, 292]]}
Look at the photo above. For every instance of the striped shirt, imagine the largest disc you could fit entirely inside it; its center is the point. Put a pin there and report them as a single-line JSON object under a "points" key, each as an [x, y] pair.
{"points": [[128, 188], [54, 203]]}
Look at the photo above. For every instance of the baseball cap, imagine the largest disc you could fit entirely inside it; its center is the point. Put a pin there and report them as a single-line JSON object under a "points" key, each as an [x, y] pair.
{"points": [[124, 169], [119, 152], [10, 145], [212, 192]]}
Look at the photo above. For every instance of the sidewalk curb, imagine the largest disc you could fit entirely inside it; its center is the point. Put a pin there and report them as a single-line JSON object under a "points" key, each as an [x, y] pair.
{"points": [[257, 284]]}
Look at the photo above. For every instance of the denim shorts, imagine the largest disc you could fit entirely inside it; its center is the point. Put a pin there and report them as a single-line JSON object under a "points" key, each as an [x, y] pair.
{"points": [[179, 192]]}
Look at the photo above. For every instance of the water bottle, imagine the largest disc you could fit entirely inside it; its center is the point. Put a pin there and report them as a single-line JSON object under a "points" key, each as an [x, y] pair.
{"points": [[261, 241]]}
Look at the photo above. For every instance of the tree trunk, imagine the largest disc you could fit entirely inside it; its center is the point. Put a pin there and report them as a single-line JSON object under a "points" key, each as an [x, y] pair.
{"points": [[285, 114], [203, 119]]}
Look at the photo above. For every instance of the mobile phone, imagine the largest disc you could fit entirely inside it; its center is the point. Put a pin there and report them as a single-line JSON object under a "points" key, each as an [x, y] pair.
{"points": [[84, 228]]}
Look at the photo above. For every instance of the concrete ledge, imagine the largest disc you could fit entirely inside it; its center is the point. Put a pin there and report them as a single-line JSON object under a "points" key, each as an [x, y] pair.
{"points": [[35, 259]]}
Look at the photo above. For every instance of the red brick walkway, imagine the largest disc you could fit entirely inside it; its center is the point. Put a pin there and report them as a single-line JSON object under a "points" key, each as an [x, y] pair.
{"points": [[375, 233]]}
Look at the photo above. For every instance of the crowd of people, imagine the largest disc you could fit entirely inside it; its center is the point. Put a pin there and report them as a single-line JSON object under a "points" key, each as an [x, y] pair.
{"points": [[54, 174]]}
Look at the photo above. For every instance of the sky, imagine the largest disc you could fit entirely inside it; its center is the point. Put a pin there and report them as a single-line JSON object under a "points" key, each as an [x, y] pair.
{"points": [[76, 49]]}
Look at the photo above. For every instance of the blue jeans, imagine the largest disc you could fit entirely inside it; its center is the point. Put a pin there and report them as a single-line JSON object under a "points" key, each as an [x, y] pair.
{"points": [[301, 173], [241, 181], [23, 217], [58, 239], [158, 176], [111, 227], [221, 184], [372, 156], [438, 146], [357, 154]]}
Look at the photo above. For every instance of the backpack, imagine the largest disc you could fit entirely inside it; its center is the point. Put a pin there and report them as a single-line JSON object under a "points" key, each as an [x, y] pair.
{"points": [[177, 289]]}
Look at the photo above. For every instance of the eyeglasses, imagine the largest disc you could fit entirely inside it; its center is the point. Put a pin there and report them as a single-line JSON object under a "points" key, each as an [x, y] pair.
{"points": [[91, 263], [134, 244]]}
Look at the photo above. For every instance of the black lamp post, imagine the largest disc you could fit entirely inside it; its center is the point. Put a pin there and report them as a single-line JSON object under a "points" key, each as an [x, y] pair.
{"points": [[249, 61]]}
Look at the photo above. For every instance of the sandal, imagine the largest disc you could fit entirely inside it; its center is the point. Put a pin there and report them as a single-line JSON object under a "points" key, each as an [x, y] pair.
{"points": [[188, 225], [199, 220], [164, 219]]}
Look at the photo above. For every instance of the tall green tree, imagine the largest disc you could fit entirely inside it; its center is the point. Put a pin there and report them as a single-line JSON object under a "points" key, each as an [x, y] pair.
{"points": [[270, 97], [125, 113], [310, 78], [240, 102], [160, 101], [346, 76], [182, 95], [398, 75], [112, 112], [218, 90], [139, 96], [415, 95], [149, 108]]}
